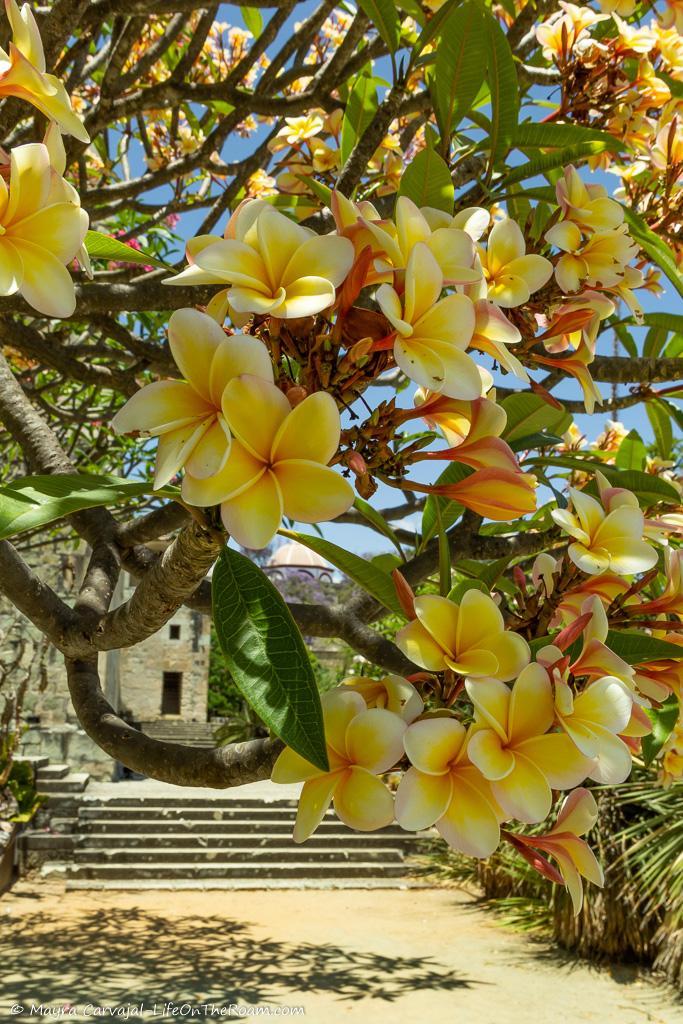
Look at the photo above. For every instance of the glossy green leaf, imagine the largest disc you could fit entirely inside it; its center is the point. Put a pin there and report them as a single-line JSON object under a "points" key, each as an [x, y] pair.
{"points": [[433, 27], [35, 501], [384, 16], [663, 722], [427, 181], [551, 161], [377, 583], [671, 321], [360, 110], [639, 648], [654, 247], [529, 414], [102, 247], [267, 656], [535, 135], [377, 522], [502, 78], [253, 20], [460, 65], [457, 593], [632, 452], [660, 421]]}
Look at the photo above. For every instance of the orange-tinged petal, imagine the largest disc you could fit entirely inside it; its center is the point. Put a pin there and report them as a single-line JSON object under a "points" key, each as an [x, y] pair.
{"points": [[485, 750], [374, 740], [311, 431], [316, 797], [531, 704], [159, 407], [578, 813], [255, 409], [434, 744], [312, 493], [362, 801], [175, 447], [572, 878], [241, 470], [422, 799], [524, 793], [470, 824], [419, 646], [253, 517], [211, 453]]}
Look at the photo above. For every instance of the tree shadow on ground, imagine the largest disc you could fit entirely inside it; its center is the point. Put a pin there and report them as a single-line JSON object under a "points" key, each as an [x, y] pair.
{"points": [[132, 955]]}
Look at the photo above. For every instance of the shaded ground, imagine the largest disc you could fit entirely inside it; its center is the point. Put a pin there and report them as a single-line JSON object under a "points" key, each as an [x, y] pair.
{"points": [[356, 955]]}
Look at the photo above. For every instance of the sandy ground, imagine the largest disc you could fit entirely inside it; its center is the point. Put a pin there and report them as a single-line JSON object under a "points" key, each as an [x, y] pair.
{"points": [[357, 955]]}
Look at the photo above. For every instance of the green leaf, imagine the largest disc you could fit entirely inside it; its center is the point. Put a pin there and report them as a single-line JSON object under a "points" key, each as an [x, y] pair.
{"points": [[444, 557], [360, 109], [663, 722], [427, 181], [266, 655], [35, 501], [377, 522], [639, 648], [253, 20], [534, 135], [654, 247], [529, 414], [540, 439], [433, 27], [502, 78], [632, 452], [460, 66], [449, 510], [672, 321], [460, 589], [488, 572], [323, 193], [102, 247], [648, 488], [384, 16], [550, 161], [377, 583], [659, 418]]}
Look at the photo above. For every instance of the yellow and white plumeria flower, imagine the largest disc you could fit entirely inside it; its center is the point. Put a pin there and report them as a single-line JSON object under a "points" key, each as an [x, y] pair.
{"points": [[592, 720], [22, 73], [278, 463], [431, 333], [391, 692], [512, 748], [186, 415], [469, 638], [362, 743], [511, 275], [272, 265], [41, 231], [443, 788], [605, 541]]}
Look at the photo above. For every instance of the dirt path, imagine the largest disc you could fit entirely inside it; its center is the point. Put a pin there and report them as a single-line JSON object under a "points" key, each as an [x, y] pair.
{"points": [[359, 956]]}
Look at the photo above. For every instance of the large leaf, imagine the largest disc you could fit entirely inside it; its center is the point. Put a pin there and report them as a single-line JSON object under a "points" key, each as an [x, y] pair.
{"points": [[460, 65], [502, 78], [650, 489], [663, 721], [35, 501], [660, 421], [639, 648], [535, 135], [360, 109], [529, 414], [377, 583], [448, 510], [577, 153], [657, 249], [102, 247], [377, 522], [632, 452], [384, 16], [433, 27], [267, 656], [427, 181]]}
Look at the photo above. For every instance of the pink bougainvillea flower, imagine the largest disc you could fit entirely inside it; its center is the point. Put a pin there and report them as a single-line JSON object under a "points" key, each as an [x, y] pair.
{"points": [[605, 541], [391, 692], [578, 815], [186, 415], [41, 230], [431, 333], [278, 463], [272, 265], [469, 638], [512, 276], [361, 744], [22, 73], [511, 745], [443, 788]]}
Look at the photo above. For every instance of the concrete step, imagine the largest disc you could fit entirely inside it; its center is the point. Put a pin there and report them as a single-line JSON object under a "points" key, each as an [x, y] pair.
{"points": [[35, 760], [233, 826], [75, 782], [292, 854], [120, 805], [245, 869], [50, 772], [43, 840], [191, 884], [220, 840]]}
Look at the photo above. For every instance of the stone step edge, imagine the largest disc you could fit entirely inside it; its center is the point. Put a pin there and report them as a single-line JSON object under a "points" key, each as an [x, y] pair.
{"points": [[264, 884]]}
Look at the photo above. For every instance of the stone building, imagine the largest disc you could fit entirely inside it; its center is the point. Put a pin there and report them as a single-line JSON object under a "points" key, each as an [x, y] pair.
{"points": [[159, 685]]}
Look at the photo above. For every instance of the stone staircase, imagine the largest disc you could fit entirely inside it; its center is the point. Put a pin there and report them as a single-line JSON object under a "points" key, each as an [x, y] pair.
{"points": [[196, 734], [166, 838]]}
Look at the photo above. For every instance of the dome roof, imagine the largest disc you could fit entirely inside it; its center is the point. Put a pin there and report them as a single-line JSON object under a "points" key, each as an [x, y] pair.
{"points": [[297, 556]]}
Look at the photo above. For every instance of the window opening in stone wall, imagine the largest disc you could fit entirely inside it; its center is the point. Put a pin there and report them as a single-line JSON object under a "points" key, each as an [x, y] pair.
{"points": [[170, 694]]}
